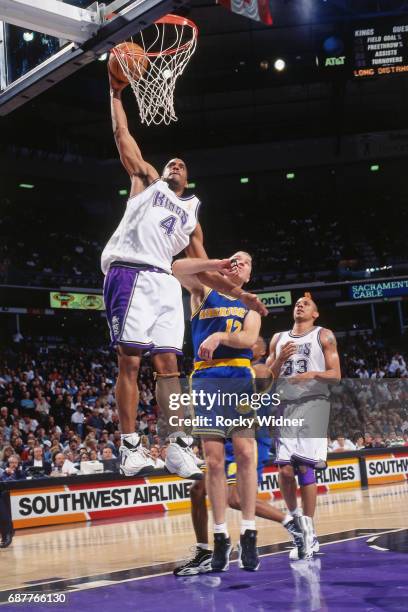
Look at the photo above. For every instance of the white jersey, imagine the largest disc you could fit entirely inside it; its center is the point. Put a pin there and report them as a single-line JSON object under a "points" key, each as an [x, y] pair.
{"points": [[156, 226], [308, 357]]}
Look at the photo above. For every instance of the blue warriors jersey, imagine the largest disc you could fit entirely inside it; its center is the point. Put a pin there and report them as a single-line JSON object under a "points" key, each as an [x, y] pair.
{"points": [[219, 313]]}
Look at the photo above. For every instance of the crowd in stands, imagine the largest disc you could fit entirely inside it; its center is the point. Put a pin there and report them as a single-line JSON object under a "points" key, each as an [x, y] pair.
{"points": [[308, 247], [58, 409]]}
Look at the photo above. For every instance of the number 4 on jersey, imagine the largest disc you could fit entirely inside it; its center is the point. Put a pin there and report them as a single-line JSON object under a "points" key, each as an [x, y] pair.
{"points": [[169, 224]]}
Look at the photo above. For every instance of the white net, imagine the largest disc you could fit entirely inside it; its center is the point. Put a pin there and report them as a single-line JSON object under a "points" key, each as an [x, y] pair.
{"points": [[168, 45]]}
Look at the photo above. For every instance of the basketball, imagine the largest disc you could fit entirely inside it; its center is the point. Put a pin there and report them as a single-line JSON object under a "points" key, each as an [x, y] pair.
{"points": [[131, 55]]}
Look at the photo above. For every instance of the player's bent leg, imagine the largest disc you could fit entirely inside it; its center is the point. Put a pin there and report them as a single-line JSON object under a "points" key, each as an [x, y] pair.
{"points": [[216, 487], [180, 458], [288, 488], [247, 485], [134, 457], [200, 563]]}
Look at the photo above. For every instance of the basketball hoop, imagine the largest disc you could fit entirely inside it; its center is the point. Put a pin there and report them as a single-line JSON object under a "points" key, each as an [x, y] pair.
{"points": [[168, 46]]}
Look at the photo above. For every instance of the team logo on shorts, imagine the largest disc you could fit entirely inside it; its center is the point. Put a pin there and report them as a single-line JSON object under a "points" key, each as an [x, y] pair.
{"points": [[115, 325]]}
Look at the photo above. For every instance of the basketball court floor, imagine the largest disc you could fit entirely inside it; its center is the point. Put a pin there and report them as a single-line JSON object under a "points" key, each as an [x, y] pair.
{"points": [[128, 564]]}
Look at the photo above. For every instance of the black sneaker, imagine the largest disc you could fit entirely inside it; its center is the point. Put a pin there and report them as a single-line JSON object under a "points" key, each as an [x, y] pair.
{"points": [[297, 536], [200, 563], [221, 555], [247, 552]]}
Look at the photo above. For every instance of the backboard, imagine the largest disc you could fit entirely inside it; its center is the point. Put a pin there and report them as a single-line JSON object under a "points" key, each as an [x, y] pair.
{"points": [[44, 41]]}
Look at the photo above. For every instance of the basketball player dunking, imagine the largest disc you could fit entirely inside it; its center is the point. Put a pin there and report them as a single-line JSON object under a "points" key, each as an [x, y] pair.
{"points": [[307, 356], [143, 300]]}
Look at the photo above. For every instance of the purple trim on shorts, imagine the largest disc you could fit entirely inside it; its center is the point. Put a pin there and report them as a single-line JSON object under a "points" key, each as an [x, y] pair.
{"points": [[118, 291], [145, 346], [305, 460], [167, 349], [136, 266], [282, 462]]}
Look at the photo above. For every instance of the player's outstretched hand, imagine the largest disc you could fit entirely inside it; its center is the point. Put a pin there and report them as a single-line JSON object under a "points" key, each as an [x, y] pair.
{"points": [[223, 265], [253, 303]]}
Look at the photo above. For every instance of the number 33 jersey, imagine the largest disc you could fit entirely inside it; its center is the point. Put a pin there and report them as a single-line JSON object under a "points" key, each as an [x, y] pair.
{"points": [[156, 226], [309, 357]]}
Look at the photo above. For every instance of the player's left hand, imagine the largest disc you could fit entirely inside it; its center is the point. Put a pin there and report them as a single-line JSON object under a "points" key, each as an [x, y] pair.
{"points": [[253, 303], [208, 347]]}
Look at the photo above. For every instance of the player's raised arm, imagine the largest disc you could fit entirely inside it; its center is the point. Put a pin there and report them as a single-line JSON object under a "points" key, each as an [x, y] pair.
{"points": [[141, 173], [216, 281], [245, 338]]}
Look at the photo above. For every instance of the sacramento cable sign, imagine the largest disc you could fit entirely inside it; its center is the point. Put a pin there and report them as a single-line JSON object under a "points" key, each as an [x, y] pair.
{"points": [[276, 299], [382, 289]]}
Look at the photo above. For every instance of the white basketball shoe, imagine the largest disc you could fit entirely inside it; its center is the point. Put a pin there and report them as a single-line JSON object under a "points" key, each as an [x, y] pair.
{"points": [[135, 458], [180, 458]]}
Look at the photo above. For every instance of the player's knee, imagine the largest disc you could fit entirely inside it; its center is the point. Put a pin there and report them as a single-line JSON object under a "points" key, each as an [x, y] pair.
{"points": [[233, 498], [197, 491], [214, 463], [287, 473], [244, 455], [306, 475], [165, 363], [129, 365]]}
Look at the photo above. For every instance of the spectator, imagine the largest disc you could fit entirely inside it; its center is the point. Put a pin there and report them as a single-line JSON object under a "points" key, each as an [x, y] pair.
{"points": [[13, 470], [77, 419], [155, 457], [342, 445], [37, 462]]}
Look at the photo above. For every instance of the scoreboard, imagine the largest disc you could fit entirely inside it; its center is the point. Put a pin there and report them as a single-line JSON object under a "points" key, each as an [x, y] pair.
{"points": [[380, 47]]}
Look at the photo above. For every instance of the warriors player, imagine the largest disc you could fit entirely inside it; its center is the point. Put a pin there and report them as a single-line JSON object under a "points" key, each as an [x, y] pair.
{"points": [[307, 356], [143, 300], [223, 332]]}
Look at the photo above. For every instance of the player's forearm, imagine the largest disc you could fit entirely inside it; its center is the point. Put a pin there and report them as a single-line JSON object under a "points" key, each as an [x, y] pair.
{"points": [[216, 281], [243, 339], [119, 119], [328, 376], [275, 366], [190, 266]]}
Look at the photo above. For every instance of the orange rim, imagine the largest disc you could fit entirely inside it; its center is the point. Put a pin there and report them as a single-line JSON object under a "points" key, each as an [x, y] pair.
{"points": [[173, 20]]}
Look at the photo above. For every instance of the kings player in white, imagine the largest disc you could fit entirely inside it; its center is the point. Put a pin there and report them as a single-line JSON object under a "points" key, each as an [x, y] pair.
{"points": [[303, 362], [142, 298]]}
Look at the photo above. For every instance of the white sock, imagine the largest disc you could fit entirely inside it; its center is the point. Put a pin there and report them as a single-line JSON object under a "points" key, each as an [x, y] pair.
{"points": [[132, 438], [203, 546], [247, 525], [296, 512], [287, 519], [221, 528]]}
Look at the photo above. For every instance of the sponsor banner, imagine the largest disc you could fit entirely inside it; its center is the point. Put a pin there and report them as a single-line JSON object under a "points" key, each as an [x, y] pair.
{"points": [[73, 503], [339, 474], [76, 301], [276, 299], [380, 289], [101, 500], [382, 469]]}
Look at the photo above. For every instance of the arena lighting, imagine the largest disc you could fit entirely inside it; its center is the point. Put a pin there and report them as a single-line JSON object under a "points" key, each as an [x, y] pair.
{"points": [[28, 36], [244, 180], [375, 168], [191, 185], [26, 186], [279, 64], [103, 57], [123, 192], [290, 176]]}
